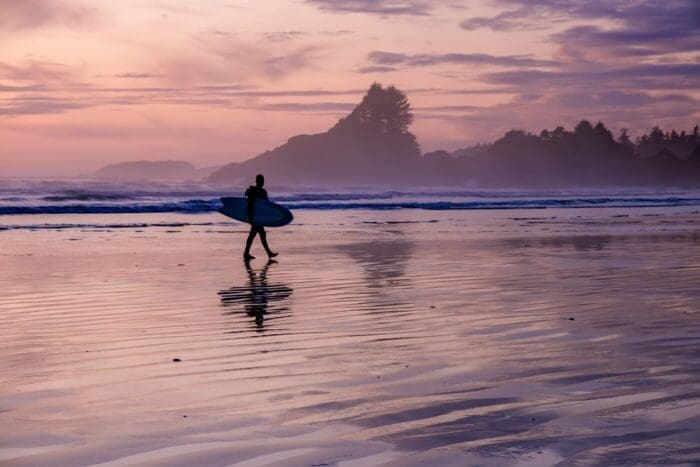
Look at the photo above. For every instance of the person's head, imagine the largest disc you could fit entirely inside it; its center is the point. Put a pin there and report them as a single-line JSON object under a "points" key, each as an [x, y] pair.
{"points": [[259, 180]]}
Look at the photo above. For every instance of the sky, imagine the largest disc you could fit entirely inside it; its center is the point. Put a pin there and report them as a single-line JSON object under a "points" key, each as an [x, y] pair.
{"points": [[87, 83]]}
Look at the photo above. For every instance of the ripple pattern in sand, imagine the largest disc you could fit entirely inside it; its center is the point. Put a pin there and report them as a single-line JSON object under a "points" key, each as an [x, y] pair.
{"points": [[504, 350]]}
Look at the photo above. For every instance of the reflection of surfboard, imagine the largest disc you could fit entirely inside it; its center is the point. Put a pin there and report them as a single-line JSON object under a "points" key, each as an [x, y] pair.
{"points": [[265, 213]]}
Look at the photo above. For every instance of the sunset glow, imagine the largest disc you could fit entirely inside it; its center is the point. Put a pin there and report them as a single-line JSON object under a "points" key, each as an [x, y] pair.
{"points": [[83, 84]]}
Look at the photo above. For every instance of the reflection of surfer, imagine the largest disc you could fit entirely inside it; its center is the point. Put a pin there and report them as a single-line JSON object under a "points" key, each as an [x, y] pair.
{"points": [[257, 304], [253, 193], [257, 297]]}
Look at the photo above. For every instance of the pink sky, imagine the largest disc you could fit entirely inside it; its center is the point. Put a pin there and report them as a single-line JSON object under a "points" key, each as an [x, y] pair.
{"points": [[85, 83]]}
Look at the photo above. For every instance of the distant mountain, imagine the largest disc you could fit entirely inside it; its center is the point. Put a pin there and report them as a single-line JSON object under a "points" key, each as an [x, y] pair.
{"points": [[373, 146], [205, 172], [150, 170]]}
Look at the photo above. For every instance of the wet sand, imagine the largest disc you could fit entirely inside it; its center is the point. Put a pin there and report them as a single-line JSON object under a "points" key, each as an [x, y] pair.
{"points": [[531, 337]]}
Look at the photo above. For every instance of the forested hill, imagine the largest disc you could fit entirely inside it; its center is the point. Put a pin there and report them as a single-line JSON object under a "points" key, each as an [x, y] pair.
{"points": [[373, 145], [587, 156]]}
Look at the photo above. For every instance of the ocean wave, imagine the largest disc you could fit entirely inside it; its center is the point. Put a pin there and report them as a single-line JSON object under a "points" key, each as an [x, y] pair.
{"points": [[506, 204], [108, 226], [298, 197], [85, 196], [190, 206], [196, 206]]}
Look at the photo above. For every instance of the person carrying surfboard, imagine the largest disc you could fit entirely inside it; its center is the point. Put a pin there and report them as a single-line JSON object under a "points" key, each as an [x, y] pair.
{"points": [[253, 193]]}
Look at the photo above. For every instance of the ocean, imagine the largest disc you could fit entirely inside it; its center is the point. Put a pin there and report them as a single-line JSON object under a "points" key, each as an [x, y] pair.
{"points": [[19, 197]]}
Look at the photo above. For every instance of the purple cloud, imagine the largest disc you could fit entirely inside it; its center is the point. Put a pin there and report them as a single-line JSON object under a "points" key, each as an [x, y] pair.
{"points": [[37, 72], [662, 76], [376, 69], [641, 28], [506, 21], [337, 32], [134, 75], [281, 36], [30, 14], [381, 7], [37, 106], [382, 58], [312, 107]]}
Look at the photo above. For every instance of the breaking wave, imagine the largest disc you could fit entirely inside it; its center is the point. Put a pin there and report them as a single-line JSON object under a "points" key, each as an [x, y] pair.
{"points": [[114, 205]]}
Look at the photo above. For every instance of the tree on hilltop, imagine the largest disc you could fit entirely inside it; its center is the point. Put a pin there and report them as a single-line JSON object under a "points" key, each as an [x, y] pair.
{"points": [[382, 110], [380, 124]]}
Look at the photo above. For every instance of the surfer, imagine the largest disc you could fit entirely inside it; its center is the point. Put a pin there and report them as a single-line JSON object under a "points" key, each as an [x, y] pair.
{"points": [[253, 193]]}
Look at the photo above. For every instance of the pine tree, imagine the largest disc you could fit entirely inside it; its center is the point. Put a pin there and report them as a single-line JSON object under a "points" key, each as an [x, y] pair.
{"points": [[383, 110]]}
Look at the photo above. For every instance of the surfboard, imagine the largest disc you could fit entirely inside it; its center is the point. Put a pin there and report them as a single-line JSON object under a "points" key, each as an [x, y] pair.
{"points": [[265, 213]]}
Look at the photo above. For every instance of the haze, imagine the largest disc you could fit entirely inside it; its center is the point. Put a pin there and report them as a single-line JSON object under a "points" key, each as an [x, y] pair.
{"points": [[83, 84]]}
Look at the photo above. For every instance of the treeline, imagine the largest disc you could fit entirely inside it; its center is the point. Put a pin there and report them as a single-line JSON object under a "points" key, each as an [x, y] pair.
{"points": [[680, 144], [373, 145], [590, 155]]}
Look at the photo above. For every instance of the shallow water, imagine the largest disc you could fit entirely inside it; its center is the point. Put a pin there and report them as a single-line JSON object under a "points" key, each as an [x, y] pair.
{"points": [[494, 337]]}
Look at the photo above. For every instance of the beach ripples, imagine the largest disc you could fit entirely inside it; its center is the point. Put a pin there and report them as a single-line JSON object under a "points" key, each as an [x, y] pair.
{"points": [[399, 347]]}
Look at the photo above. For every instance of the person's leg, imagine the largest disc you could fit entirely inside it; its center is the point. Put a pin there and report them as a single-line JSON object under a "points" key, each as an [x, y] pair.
{"points": [[263, 239], [249, 243]]}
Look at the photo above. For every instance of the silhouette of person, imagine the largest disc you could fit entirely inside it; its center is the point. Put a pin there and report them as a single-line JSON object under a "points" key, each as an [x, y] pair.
{"points": [[253, 193]]}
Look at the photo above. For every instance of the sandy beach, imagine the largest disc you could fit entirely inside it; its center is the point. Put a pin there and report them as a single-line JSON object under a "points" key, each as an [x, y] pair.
{"points": [[411, 337]]}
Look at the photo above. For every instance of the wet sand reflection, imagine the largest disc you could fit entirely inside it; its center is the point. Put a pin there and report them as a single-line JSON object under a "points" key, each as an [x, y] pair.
{"points": [[259, 299]]}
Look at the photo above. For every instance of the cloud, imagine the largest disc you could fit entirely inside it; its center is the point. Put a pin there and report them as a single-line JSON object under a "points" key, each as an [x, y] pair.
{"points": [[617, 61], [64, 95], [337, 32], [381, 58], [381, 7], [594, 42], [506, 21], [30, 14], [476, 91], [134, 75], [280, 36], [376, 69], [312, 107], [36, 106], [656, 76], [618, 99], [633, 28], [645, 11], [226, 58], [291, 62], [448, 108], [37, 72]]}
